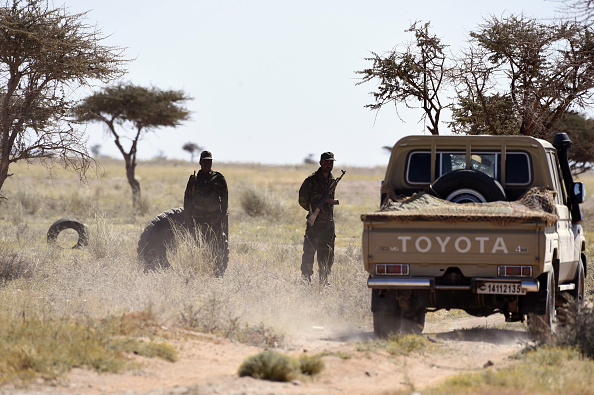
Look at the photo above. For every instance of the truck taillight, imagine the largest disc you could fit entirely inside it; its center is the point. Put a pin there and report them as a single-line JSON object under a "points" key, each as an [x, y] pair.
{"points": [[400, 269], [514, 271]]}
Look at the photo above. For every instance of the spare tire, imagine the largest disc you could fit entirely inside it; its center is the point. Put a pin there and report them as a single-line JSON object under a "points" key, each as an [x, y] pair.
{"points": [[468, 186], [158, 234], [68, 223]]}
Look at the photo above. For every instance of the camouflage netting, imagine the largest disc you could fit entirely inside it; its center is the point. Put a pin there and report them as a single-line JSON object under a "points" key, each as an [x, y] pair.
{"points": [[537, 205]]}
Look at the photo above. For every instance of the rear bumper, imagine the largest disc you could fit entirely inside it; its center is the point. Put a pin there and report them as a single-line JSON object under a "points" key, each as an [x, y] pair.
{"points": [[531, 285]]}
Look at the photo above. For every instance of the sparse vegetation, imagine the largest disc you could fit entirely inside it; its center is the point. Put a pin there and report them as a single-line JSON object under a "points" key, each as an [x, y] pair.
{"points": [[274, 366], [578, 332], [33, 347], [13, 265], [260, 301], [546, 370]]}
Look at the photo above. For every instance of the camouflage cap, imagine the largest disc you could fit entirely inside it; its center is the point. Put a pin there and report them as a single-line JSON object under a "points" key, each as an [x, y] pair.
{"points": [[327, 156], [205, 155]]}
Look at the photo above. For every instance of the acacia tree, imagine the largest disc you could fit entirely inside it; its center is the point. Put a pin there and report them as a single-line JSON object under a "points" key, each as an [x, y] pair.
{"points": [[521, 76], [146, 109], [518, 76], [417, 74], [45, 53], [544, 69], [192, 148]]}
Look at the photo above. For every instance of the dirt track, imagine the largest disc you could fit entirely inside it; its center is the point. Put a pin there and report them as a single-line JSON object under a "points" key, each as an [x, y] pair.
{"points": [[208, 364]]}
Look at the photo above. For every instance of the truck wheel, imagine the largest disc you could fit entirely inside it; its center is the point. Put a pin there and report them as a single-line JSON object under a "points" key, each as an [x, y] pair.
{"points": [[158, 234], [68, 223], [542, 325], [413, 323], [385, 324], [468, 186]]}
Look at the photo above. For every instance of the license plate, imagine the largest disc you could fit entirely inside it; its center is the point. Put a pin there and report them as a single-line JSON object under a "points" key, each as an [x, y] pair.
{"points": [[500, 289]]}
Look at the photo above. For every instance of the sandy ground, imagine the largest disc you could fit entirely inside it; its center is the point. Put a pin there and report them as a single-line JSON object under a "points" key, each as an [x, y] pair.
{"points": [[208, 364]]}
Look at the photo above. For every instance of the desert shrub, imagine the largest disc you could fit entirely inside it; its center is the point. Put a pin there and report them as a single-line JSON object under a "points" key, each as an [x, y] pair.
{"points": [[211, 316], [253, 202], [578, 331], [214, 317], [256, 335], [311, 364], [270, 365], [257, 202], [191, 254], [29, 201], [13, 265]]}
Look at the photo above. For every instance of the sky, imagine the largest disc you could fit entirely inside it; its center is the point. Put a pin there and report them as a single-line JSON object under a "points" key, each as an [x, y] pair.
{"points": [[274, 81]]}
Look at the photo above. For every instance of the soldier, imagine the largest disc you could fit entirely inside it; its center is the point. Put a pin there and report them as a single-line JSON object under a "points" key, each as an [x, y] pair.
{"points": [[205, 210], [320, 236]]}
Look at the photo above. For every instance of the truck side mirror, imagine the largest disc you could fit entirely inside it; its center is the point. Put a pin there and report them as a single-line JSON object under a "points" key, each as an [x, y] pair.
{"points": [[578, 193]]}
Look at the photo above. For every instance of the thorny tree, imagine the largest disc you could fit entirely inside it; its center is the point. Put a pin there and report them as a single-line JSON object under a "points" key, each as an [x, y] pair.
{"points": [[521, 76], [580, 10], [45, 54], [417, 74], [145, 108]]}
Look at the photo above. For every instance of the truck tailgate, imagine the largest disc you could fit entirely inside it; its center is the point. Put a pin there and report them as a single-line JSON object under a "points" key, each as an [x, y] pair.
{"points": [[431, 247]]}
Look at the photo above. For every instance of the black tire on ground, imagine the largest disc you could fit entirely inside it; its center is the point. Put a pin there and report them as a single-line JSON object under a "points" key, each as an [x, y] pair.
{"points": [[414, 322], [542, 325], [385, 324], [158, 234], [68, 223], [468, 186]]}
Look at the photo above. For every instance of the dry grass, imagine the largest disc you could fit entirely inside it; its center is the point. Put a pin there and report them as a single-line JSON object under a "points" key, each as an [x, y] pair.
{"points": [[31, 347], [548, 370], [260, 299]]}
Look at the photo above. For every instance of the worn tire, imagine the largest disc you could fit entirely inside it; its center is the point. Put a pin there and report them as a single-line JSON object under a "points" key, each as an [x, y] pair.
{"points": [[387, 314], [68, 223], [414, 322], [158, 234], [468, 186], [385, 324]]}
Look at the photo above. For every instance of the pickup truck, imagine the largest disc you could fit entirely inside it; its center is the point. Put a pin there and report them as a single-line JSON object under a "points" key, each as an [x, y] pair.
{"points": [[486, 224]]}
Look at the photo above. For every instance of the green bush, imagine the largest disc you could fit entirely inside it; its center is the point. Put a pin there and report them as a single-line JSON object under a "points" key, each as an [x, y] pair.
{"points": [[270, 365], [311, 364]]}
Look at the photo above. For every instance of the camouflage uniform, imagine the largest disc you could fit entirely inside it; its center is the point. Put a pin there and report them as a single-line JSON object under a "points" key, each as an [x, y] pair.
{"points": [[319, 237], [205, 209]]}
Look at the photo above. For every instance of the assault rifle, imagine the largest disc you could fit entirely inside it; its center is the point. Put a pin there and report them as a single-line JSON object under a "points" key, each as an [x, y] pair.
{"points": [[311, 217]]}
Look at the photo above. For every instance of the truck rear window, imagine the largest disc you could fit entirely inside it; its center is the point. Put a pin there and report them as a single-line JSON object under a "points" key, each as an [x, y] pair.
{"points": [[518, 171]]}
